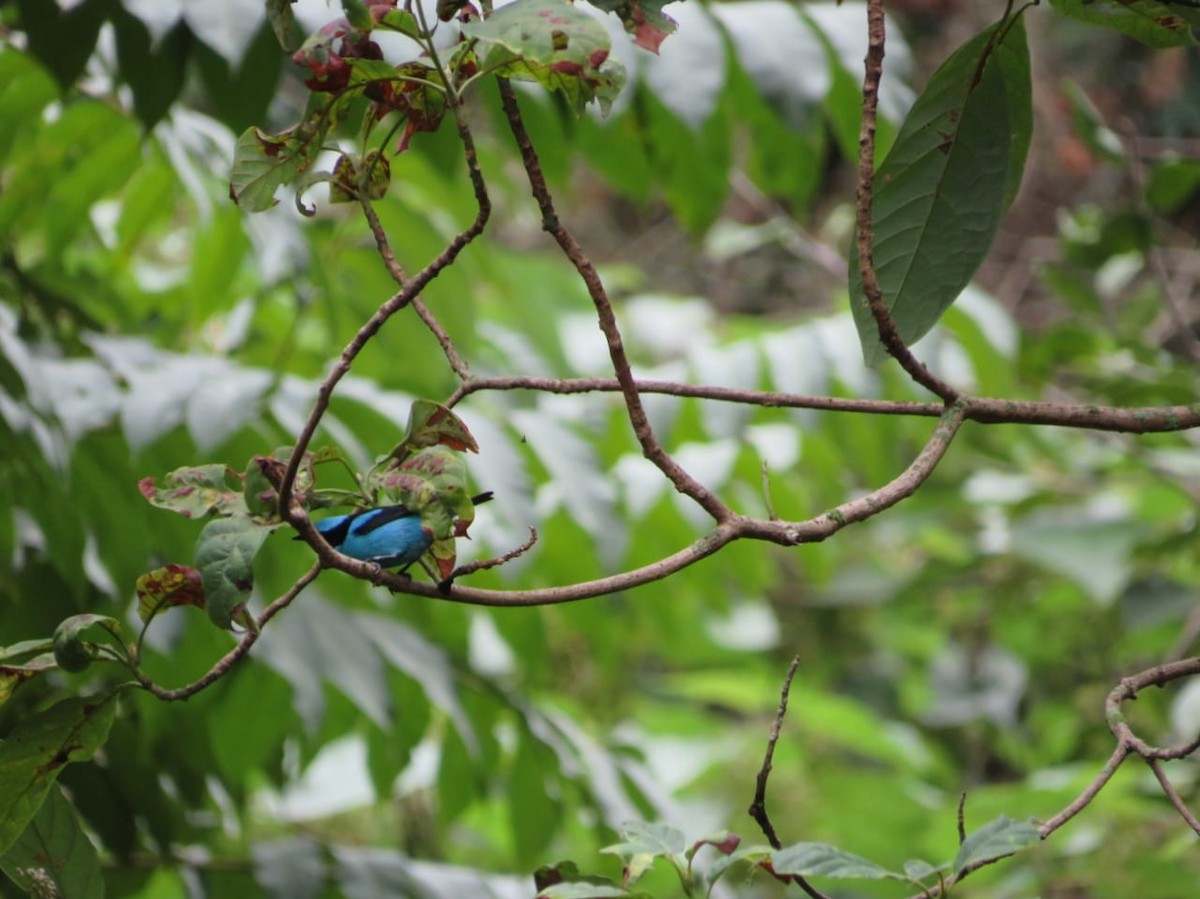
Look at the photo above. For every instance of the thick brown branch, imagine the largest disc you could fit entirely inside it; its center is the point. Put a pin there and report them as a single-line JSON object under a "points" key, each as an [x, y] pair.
{"points": [[984, 410]]}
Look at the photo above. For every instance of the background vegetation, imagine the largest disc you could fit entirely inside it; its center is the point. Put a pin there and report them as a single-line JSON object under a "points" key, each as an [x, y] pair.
{"points": [[381, 744]]}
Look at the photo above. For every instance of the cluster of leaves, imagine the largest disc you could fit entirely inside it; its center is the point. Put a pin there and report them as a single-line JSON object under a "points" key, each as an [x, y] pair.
{"points": [[645, 845], [548, 42]]}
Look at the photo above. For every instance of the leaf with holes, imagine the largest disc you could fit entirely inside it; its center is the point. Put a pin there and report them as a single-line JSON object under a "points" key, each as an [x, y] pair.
{"points": [[553, 43]]}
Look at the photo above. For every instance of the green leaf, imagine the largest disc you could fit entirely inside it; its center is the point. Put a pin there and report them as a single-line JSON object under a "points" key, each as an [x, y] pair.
{"points": [[38, 748], [941, 190], [225, 552], [554, 44], [823, 860], [71, 651], [1156, 24], [195, 491], [63, 39], [53, 856], [153, 68], [996, 839], [646, 842]]}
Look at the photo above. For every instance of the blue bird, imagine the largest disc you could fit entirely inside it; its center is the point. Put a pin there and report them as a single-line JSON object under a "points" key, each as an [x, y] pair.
{"points": [[389, 536]]}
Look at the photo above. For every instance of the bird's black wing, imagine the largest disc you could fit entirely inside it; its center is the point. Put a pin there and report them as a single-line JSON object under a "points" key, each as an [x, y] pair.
{"points": [[372, 519]]}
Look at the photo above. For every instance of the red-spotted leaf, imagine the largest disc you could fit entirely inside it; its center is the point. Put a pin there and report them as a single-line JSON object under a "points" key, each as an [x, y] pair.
{"points": [[553, 43], [345, 185], [644, 19], [225, 552], [36, 750], [940, 192], [194, 492], [167, 587], [71, 651], [432, 424]]}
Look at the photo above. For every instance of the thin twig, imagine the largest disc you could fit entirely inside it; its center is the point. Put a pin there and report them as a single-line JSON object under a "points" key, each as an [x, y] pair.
{"points": [[865, 229], [231, 658], [607, 319], [484, 564], [1172, 794], [962, 817], [758, 807]]}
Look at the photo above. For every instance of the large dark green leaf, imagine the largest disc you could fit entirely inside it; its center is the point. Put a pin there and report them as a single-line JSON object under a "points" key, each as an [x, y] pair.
{"points": [[37, 749], [942, 189], [1159, 24], [53, 853], [823, 860], [994, 840]]}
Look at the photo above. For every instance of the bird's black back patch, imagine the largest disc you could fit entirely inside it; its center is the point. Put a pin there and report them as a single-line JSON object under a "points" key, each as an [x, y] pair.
{"points": [[372, 519]]}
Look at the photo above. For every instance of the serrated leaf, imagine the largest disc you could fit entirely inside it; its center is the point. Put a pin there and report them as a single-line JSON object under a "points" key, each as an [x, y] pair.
{"points": [[996, 839], [554, 44], [1155, 24], [71, 651], [166, 587], [53, 856], [225, 552], [823, 860], [941, 191], [432, 424], [36, 750], [194, 492]]}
